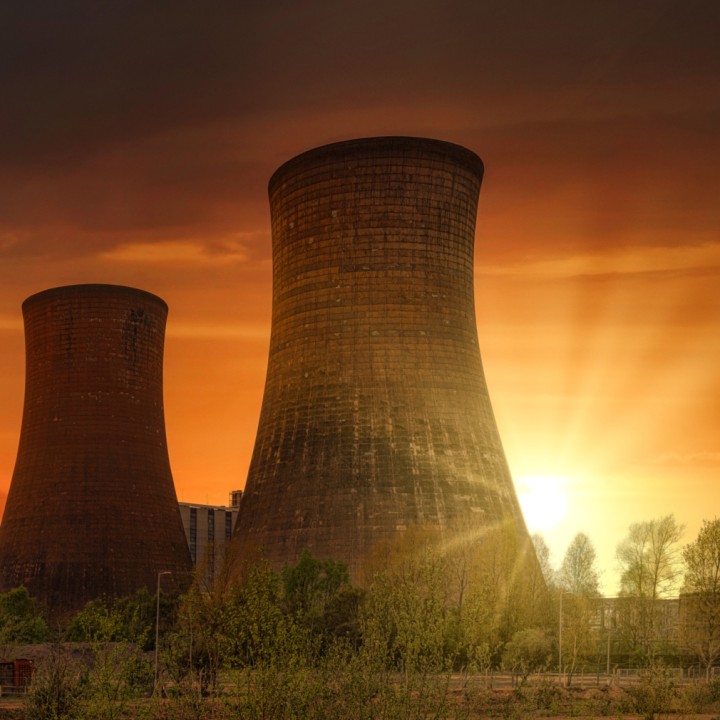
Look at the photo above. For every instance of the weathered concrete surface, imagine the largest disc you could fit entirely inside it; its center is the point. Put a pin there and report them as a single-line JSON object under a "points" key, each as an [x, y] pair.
{"points": [[92, 508], [376, 413]]}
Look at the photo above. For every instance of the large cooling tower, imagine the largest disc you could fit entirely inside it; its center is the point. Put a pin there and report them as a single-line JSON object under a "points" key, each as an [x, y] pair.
{"points": [[376, 414], [92, 509]]}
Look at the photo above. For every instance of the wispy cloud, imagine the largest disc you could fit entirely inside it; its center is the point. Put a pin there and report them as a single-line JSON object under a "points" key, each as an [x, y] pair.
{"points": [[705, 459], [617, 262], [178, 252], [11, 323]]}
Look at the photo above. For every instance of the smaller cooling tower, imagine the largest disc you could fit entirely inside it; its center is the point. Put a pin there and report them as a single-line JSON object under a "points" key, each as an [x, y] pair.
{"points": [[92, 509]]}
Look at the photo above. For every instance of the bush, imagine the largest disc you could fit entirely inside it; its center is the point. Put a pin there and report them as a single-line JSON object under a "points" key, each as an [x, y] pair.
{"points": [[655, 692], [20, 619], [130, 619], [528, 651], [55, 689]]}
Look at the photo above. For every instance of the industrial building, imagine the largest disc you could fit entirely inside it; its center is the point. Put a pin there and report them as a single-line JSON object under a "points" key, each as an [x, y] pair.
{"points": [[92, 509], [376, 414], [208, 530]]}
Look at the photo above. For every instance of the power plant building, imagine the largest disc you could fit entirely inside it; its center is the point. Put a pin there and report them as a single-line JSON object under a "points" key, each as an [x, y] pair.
{"points": [[375, 414], [92, 509], [208, 531]]}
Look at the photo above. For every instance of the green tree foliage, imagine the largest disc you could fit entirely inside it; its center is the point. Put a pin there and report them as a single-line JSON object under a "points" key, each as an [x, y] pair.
{"points": [[504, 587], [20, 619], [404, 618], [701, 599], [542, 553], [127, 619], [240, 623], [527, 651], [651, 565], [453, 599], [578, 590], [55, 690], [431, 604], [310, 585], [190, 651], [258, 632], [650, 558], [119, 673], [102, 685], [421, 577], [504, 564], [319, 595], [578, 573]]}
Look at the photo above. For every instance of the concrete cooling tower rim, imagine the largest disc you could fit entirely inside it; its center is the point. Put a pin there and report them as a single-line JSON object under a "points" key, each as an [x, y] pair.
{"points": [[391, 146], [93, 290]]}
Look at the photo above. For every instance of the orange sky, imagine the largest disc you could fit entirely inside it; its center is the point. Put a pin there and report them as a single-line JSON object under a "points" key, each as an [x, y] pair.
{"points": [[136, 142]]}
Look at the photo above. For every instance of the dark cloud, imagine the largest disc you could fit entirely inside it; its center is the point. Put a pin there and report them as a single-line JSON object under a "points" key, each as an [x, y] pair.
{"points": [[153, 121], [550, 188], [79, 75], [620, 182]]}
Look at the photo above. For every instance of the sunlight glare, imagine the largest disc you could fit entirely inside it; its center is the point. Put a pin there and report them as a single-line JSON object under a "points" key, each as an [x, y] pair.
{"points": [[543, 500]]}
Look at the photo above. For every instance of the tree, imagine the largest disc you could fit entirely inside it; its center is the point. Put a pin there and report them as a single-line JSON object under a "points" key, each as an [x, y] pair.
{"points": [[650, 558], [701, 594], [311, 584], [527, 651], [405, 617], [20, 620], [650, 563], [508, 577], [578, 573], [542, 552], [55, 689], [578, 588], [126, 619], [540, 581]]}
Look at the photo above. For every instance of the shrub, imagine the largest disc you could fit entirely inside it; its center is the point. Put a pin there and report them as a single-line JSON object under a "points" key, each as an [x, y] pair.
{"points": [[20, 619], [654, 693], [55, 689]]}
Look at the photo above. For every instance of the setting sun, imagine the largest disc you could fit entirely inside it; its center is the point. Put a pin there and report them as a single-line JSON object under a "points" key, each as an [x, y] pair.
{"points": [[544, 501]]}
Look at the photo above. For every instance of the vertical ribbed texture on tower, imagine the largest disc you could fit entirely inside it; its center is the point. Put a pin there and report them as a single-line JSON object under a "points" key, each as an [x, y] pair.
{"points": [[92, 508], [376, 414]]}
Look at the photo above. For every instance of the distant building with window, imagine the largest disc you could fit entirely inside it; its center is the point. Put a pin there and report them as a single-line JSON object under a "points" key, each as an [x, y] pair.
{"points": [[208, 529]]}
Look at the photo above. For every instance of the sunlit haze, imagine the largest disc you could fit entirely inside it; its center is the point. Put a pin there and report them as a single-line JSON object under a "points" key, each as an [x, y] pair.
{"points": [[544, 502], [135, 148]]}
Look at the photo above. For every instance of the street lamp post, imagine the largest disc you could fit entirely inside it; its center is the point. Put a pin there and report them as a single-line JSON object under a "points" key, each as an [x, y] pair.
{"points": [[560, 618], [609, 635], [607, 669], [560, 632]]}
